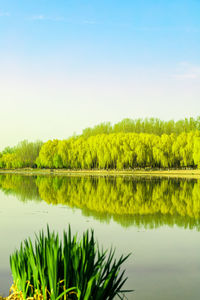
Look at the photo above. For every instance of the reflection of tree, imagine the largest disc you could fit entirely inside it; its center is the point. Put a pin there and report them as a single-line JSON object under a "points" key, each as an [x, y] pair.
{"points": [[23, 187], [150, 203]]}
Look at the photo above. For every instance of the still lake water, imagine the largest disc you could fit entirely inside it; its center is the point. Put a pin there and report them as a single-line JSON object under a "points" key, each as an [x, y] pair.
{"points": [[158, 220]]}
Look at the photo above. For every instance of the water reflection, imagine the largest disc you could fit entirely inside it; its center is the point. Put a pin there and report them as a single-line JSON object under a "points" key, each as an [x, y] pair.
{"points": [[149, 203]]}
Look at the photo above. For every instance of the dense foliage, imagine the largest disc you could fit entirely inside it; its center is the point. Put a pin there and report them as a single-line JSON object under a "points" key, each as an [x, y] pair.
{"points": [[130, 144], [23, 155], [69, 269], [143, 202], [148, 125], [122, 151]]}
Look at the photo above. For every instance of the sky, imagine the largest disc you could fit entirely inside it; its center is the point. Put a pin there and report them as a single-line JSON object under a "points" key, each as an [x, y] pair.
{"points": [[69, 64]]}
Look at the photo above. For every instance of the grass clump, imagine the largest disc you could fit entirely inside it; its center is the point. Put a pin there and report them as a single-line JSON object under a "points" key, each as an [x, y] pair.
{"points": [[74, 269]]}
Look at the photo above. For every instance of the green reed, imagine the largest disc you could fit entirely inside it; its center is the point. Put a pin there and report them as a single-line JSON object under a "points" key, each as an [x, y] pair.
{"points": [[69, 269]]}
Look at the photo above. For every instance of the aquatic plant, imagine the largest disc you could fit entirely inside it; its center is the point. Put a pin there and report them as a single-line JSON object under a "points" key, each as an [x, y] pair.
{"points": [[70, 269]]}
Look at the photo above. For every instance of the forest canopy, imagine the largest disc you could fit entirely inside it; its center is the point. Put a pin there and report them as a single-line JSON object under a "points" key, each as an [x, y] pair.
{"points": [[129, 144], [147, 125]]}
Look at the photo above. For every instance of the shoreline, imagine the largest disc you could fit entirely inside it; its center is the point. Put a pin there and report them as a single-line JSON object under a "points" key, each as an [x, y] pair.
{"points": [[190, 173]]}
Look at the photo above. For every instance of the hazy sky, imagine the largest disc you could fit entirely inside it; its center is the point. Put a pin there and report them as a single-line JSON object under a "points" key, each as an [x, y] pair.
{"points": [[68, 64]]}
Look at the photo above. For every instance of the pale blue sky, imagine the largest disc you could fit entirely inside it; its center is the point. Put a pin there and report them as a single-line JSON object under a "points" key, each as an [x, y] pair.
{"points": [[66, 65]]}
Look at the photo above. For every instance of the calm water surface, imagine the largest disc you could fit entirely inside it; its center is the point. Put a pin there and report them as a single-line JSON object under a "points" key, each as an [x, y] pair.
{"points": [[158, 220]]}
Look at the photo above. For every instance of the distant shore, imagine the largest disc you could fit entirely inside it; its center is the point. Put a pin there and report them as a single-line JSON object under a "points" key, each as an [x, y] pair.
{"points": [[180, 173]]}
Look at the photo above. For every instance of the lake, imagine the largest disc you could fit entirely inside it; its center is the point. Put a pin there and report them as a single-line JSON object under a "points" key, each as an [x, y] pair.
{"points": [[157, 220]]}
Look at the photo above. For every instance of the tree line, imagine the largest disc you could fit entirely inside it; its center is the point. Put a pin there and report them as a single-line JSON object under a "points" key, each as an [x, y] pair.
{"points": [[129, 144], [147, 125], [20, 156], [108, 151]]}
